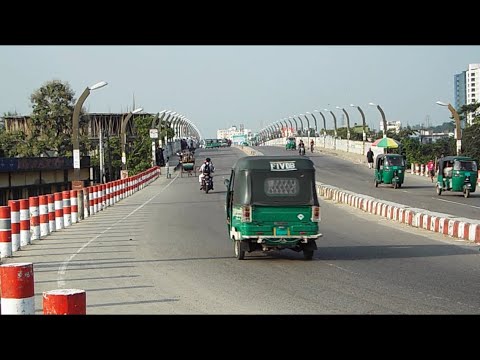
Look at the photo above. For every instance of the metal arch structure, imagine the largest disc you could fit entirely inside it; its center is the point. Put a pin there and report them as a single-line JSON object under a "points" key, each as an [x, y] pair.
{"points": [[308, 125], [324, 122], [296, 124], [315, 119], [301, 123]]}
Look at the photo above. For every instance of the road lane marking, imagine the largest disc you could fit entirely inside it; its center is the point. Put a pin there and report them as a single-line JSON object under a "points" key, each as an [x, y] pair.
{"points": [[453, 202], [63, 268]]}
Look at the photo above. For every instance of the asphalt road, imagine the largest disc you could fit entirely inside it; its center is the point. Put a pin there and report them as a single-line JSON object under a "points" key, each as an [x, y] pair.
{"points": [[416, 191], [164, 250]]}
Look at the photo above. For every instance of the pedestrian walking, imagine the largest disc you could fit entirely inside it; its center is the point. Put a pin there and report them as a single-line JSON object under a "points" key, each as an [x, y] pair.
{"points": [[370, 158]]}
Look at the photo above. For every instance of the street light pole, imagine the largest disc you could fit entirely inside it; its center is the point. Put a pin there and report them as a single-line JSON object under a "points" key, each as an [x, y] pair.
{"points": [[458, 129], [383, 118], [314, 118], [324, 123], [364, 135], [123, 136], [75, 131], [348, 121], [334, 121]]}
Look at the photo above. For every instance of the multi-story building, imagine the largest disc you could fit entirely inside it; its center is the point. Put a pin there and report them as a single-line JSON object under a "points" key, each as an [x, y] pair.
{"points": [[234, 133], [472, 80], [460, 90], [392, 125]]}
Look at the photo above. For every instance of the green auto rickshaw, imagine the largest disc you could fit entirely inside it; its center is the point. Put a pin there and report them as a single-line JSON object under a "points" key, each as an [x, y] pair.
{"points": [[272, 204], [291, 144], [389, 169], [457, 173]]}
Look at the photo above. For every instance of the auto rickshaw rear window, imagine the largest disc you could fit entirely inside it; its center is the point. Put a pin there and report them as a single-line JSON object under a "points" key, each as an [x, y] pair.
{"points": [[395, 161], [281, 187]]}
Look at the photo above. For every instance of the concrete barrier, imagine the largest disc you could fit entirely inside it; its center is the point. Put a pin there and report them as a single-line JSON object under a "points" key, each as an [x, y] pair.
{"points": [[17, 289], [65, 302]]}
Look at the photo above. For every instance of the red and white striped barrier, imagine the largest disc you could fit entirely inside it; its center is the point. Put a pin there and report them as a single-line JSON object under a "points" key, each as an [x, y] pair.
{"points": [[34, 218], [441, 223], [74, 205], [58, 211], [24, 223], [51, 213], [65, 302], [86, 202], [5, 232], [17, 289], [43, 211], [67, 210], [15, 223]]}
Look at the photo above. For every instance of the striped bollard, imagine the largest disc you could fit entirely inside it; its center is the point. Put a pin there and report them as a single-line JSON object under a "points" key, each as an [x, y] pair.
{"points": [[116, 191], [15, 223], [5, 232], [34, 218], [422, 169], [67, 210], [86, 205], [24, 223], [43, 211], [65, 302], [58, 211], [101, 197], [91, 202], [74, 205], [95, 198], [51, 213], [17, 289]]}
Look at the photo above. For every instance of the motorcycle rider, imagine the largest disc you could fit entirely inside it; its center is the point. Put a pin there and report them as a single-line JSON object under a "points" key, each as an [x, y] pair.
{"points": [[207, 165], [301, 147]]}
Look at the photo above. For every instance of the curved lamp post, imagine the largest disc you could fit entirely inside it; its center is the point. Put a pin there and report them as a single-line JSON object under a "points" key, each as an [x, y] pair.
{"points": [[123, 135], [348, 121], [383, 118], [458, 130], [291, 124], [364, 134], [324, 123], [308, 128], [314, 118], [302, 130], [334, 121], [296, 124], [75, 126]]}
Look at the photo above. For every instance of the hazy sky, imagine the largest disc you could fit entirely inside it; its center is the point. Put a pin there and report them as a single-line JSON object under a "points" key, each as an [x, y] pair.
{"points": [[219, 86]]}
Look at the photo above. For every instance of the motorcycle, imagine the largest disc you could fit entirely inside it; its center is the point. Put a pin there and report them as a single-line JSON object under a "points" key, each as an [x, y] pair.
{"points": [[207, 183], [301, 151]]}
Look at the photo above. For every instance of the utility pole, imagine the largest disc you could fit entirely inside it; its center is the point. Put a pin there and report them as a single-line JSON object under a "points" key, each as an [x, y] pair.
{"points": [[102, 160]]}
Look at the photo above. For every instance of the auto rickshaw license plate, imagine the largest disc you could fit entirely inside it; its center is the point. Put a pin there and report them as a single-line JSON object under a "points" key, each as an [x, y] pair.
{"points": [[281, 231]]}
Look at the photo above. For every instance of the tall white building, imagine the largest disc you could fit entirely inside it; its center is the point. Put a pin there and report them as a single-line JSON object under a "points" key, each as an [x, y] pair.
{"points": [[472, 81], [232, 132], [392, 125]]}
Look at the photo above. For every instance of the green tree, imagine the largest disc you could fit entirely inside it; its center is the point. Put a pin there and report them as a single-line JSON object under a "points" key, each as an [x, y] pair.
{"points": [[139, 154], [471, 141], [51, 120]]}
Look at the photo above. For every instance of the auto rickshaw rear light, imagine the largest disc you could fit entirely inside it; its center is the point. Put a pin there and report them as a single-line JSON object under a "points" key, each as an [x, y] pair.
{"points": [[246, 213], [315, 213]]}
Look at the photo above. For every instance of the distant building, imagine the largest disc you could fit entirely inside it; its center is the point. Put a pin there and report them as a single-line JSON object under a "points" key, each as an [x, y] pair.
{"points": [[460, 90], [429, 137], [472, 79], [234, 133], [392, 125]]}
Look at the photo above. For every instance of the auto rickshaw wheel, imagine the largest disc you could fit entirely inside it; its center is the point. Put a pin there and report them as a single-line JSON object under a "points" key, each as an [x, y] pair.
{"points": [[439, 190], [239, 253], [466, 193], [307, 254]]}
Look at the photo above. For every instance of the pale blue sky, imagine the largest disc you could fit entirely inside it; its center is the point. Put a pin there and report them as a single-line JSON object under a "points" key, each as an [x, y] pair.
{"points": [[219, 86]]}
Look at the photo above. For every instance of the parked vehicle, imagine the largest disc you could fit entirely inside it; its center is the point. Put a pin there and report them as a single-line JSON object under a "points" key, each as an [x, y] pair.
{"points": [[272, 204]]}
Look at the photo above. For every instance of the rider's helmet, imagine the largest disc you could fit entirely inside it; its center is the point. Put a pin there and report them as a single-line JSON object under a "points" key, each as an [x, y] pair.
{"points": [[207, 160]]}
